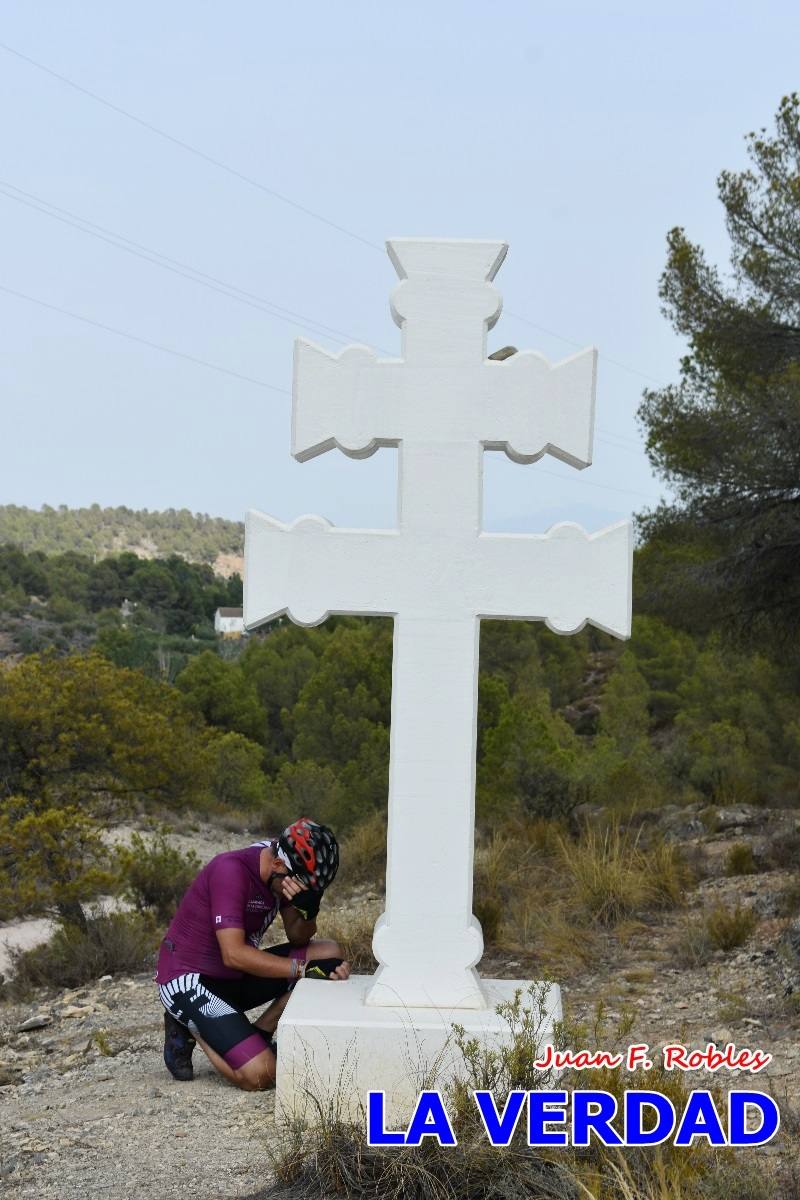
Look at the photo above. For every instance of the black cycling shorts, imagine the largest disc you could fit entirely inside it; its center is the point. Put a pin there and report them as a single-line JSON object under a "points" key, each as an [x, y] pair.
{"points": [[213, 1009]]}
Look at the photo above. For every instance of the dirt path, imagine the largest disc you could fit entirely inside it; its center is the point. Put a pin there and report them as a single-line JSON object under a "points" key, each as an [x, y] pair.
{"points": [[98, 1114]]}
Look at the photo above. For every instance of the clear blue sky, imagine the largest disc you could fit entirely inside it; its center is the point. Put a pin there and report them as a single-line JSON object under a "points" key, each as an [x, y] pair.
{"points": [[579, 133]]}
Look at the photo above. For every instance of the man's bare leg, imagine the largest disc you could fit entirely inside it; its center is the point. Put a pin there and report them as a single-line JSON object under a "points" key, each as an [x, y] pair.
{"points": [[255, 1075], [268, 1021]]}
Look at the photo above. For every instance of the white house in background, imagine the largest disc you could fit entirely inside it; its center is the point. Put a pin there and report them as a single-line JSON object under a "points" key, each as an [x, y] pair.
{"points": [[127, 609], [229, 622]]}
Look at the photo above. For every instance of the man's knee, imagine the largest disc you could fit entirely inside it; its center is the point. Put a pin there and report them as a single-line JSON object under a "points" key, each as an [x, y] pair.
{"points": [[325, 948], [257, 1074]]}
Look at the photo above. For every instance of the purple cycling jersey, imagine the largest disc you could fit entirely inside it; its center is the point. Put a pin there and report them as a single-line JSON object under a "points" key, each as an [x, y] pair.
{"points": [[227, 894]]}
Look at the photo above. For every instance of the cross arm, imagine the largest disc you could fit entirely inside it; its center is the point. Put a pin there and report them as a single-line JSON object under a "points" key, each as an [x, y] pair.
{"points": [[525, 406], [310, 569], [566, 577]]}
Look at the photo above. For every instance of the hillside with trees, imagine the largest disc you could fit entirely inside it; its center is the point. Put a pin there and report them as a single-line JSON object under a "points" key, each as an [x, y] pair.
{"points": [[98, 532]]}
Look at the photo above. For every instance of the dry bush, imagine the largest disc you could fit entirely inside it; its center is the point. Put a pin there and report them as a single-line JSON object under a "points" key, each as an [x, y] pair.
{"points": [[497, 879], [611, 876], [691, 944], [740, 861], [353, 931], [548, 931], [363, 854], [788, 899], [729, 927], [538, 890], [258, 822], [715, 928], [111, 944]]}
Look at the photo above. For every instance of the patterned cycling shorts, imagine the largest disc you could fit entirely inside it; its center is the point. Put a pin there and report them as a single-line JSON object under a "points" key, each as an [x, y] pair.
{"points": [[214, 1009]]}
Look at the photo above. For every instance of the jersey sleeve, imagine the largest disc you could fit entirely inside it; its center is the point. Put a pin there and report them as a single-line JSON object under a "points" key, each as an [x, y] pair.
{"points": [[227, 893]]}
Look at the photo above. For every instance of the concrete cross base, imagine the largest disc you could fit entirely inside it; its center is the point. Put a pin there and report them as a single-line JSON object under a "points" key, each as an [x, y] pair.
{"points": [[334, 1048]]}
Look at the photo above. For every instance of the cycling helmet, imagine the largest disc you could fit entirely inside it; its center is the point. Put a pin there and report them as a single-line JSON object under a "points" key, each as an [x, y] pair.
{"points": [[311, 852]]}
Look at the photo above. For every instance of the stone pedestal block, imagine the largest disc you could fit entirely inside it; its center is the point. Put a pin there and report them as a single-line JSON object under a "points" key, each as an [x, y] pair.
{"points": [[333, 1048]]}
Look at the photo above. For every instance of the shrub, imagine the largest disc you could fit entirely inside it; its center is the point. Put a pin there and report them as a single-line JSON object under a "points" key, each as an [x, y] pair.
{"points": [[784, 851], [611, 876], [730, 927], [363, 853], [739, 860], [691, 944], [502, 875], [111, 944], [49, 858], [788, 899], [155, 874], [353, 932]]}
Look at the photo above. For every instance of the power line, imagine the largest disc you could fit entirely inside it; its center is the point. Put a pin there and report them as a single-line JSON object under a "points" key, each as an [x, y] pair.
{"points": [[579, 346], [620, 440], [255, 183], [176, 141], [156, 258], [606, 487], [133, 337]]}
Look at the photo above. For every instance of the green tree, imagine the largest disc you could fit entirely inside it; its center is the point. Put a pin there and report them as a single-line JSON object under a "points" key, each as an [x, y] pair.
{"points": [[623, 765], [341, 718], [105, 588], [532, 762], [278, 666], [726, 550], [625, 714], [223, 695], [236, 777], [152, 584], [50, 858], [80, 731], [308, 789]]}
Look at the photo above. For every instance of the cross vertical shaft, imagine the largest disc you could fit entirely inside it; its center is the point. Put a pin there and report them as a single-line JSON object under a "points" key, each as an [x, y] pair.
{"points": [[428, 956]]}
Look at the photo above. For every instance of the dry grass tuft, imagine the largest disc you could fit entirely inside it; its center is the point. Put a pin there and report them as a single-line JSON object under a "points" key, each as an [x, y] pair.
{"points": [[353, 930], [363, 854], [611, 876], [729, 928], [740, 861], [715, 928]]}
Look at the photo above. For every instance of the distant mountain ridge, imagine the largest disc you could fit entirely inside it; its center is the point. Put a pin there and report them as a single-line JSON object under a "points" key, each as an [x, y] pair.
{"points": [[99, 532]]}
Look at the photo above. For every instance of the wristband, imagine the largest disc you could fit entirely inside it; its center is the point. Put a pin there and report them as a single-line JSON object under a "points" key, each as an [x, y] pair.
{"points": [[297, 965]]}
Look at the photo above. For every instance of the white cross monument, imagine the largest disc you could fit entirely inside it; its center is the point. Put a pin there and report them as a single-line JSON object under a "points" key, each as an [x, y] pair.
{"points": [[442, 403]]}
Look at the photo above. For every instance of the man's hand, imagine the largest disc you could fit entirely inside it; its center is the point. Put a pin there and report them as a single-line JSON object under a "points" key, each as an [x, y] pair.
{"points": [[307, 903], [289, 887], [327, 968]]}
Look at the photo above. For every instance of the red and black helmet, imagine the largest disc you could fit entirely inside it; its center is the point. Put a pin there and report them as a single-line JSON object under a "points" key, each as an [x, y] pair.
{"points": [[311, 852]]}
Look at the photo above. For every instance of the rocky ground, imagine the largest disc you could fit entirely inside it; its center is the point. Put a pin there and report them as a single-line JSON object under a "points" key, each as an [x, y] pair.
{"points": [[88, 1109]]}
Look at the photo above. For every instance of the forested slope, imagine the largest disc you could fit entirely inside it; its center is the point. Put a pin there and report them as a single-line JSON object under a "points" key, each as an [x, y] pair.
{"points": [[98, 532]]}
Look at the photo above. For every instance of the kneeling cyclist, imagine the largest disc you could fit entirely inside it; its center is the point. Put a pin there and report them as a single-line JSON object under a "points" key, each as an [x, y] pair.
{"points": [[210, 970]]}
